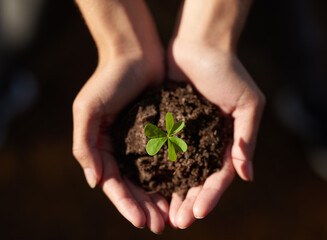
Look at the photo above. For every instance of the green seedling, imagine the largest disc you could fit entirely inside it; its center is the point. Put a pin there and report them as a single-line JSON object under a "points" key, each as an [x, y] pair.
{"points": [[159, 137]]}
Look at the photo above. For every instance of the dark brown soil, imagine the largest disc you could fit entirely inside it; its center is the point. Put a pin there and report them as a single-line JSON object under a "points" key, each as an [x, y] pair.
{"points": [[206, 133]]}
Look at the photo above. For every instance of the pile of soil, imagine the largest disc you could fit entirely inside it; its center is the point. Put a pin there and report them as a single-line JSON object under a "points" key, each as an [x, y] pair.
{"points": [[206, 132]]}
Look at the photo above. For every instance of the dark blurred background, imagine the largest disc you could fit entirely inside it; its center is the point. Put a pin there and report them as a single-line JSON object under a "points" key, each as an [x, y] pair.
{"points": [[46, 55]]}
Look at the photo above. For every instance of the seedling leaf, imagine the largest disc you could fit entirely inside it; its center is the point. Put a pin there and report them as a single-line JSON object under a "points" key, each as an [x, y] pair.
{"points": [[152, 131], [154, 145], [177, 148], [182, 146], [159, 137], [176, 128], [169, 122], [171, 151]]}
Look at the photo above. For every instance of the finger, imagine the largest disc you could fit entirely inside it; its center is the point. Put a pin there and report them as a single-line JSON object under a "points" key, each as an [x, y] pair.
{"points": [[185, 217], [154, 220], [119, 194], [175, 204], [213, 188], [247, 117], [85, 138], [162, 205]]}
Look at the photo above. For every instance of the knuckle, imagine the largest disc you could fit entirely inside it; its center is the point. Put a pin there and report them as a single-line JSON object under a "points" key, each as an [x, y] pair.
{"points": [[263, 99], [89, 106], [80, 155], [78, 106], [258, 100]]}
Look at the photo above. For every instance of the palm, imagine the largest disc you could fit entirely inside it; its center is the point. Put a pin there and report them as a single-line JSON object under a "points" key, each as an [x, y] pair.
{"points": [[106, 93], [221, 78]]}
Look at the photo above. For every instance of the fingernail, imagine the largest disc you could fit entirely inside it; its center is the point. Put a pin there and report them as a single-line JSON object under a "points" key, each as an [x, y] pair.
{"points": [[172, 223], [196, 214], [180, 223], [90, 177], [249, 171], [182, 228]]}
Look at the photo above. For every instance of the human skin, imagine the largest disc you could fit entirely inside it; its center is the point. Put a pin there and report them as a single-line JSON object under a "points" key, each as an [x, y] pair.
{"points": [[203, 51], [130, 59]]}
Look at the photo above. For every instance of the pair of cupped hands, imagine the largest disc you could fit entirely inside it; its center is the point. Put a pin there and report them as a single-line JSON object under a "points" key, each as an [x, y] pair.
{"points": [[217, 74]]}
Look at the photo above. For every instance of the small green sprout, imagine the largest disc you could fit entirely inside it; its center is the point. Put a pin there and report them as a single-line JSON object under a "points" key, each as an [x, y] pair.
{"points": [[159, 137]]}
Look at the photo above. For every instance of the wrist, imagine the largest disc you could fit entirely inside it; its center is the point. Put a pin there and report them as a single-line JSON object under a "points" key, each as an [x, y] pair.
{"points": [[127, 49], [185, 56], [223, 43], [148, 64], [215, 23], [181, 45]]}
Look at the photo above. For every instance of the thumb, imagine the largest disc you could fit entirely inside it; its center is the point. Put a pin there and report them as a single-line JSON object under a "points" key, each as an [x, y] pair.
{"points": [[247, 117], [87, 121]]}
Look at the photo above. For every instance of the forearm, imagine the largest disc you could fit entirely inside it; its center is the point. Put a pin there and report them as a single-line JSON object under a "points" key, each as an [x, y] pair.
{"points": [[121, 27], [217, 23]]}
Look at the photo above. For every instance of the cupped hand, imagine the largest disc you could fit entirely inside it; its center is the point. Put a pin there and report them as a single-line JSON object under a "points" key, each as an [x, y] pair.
{"points": [[220, 77], [113, 85]]}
